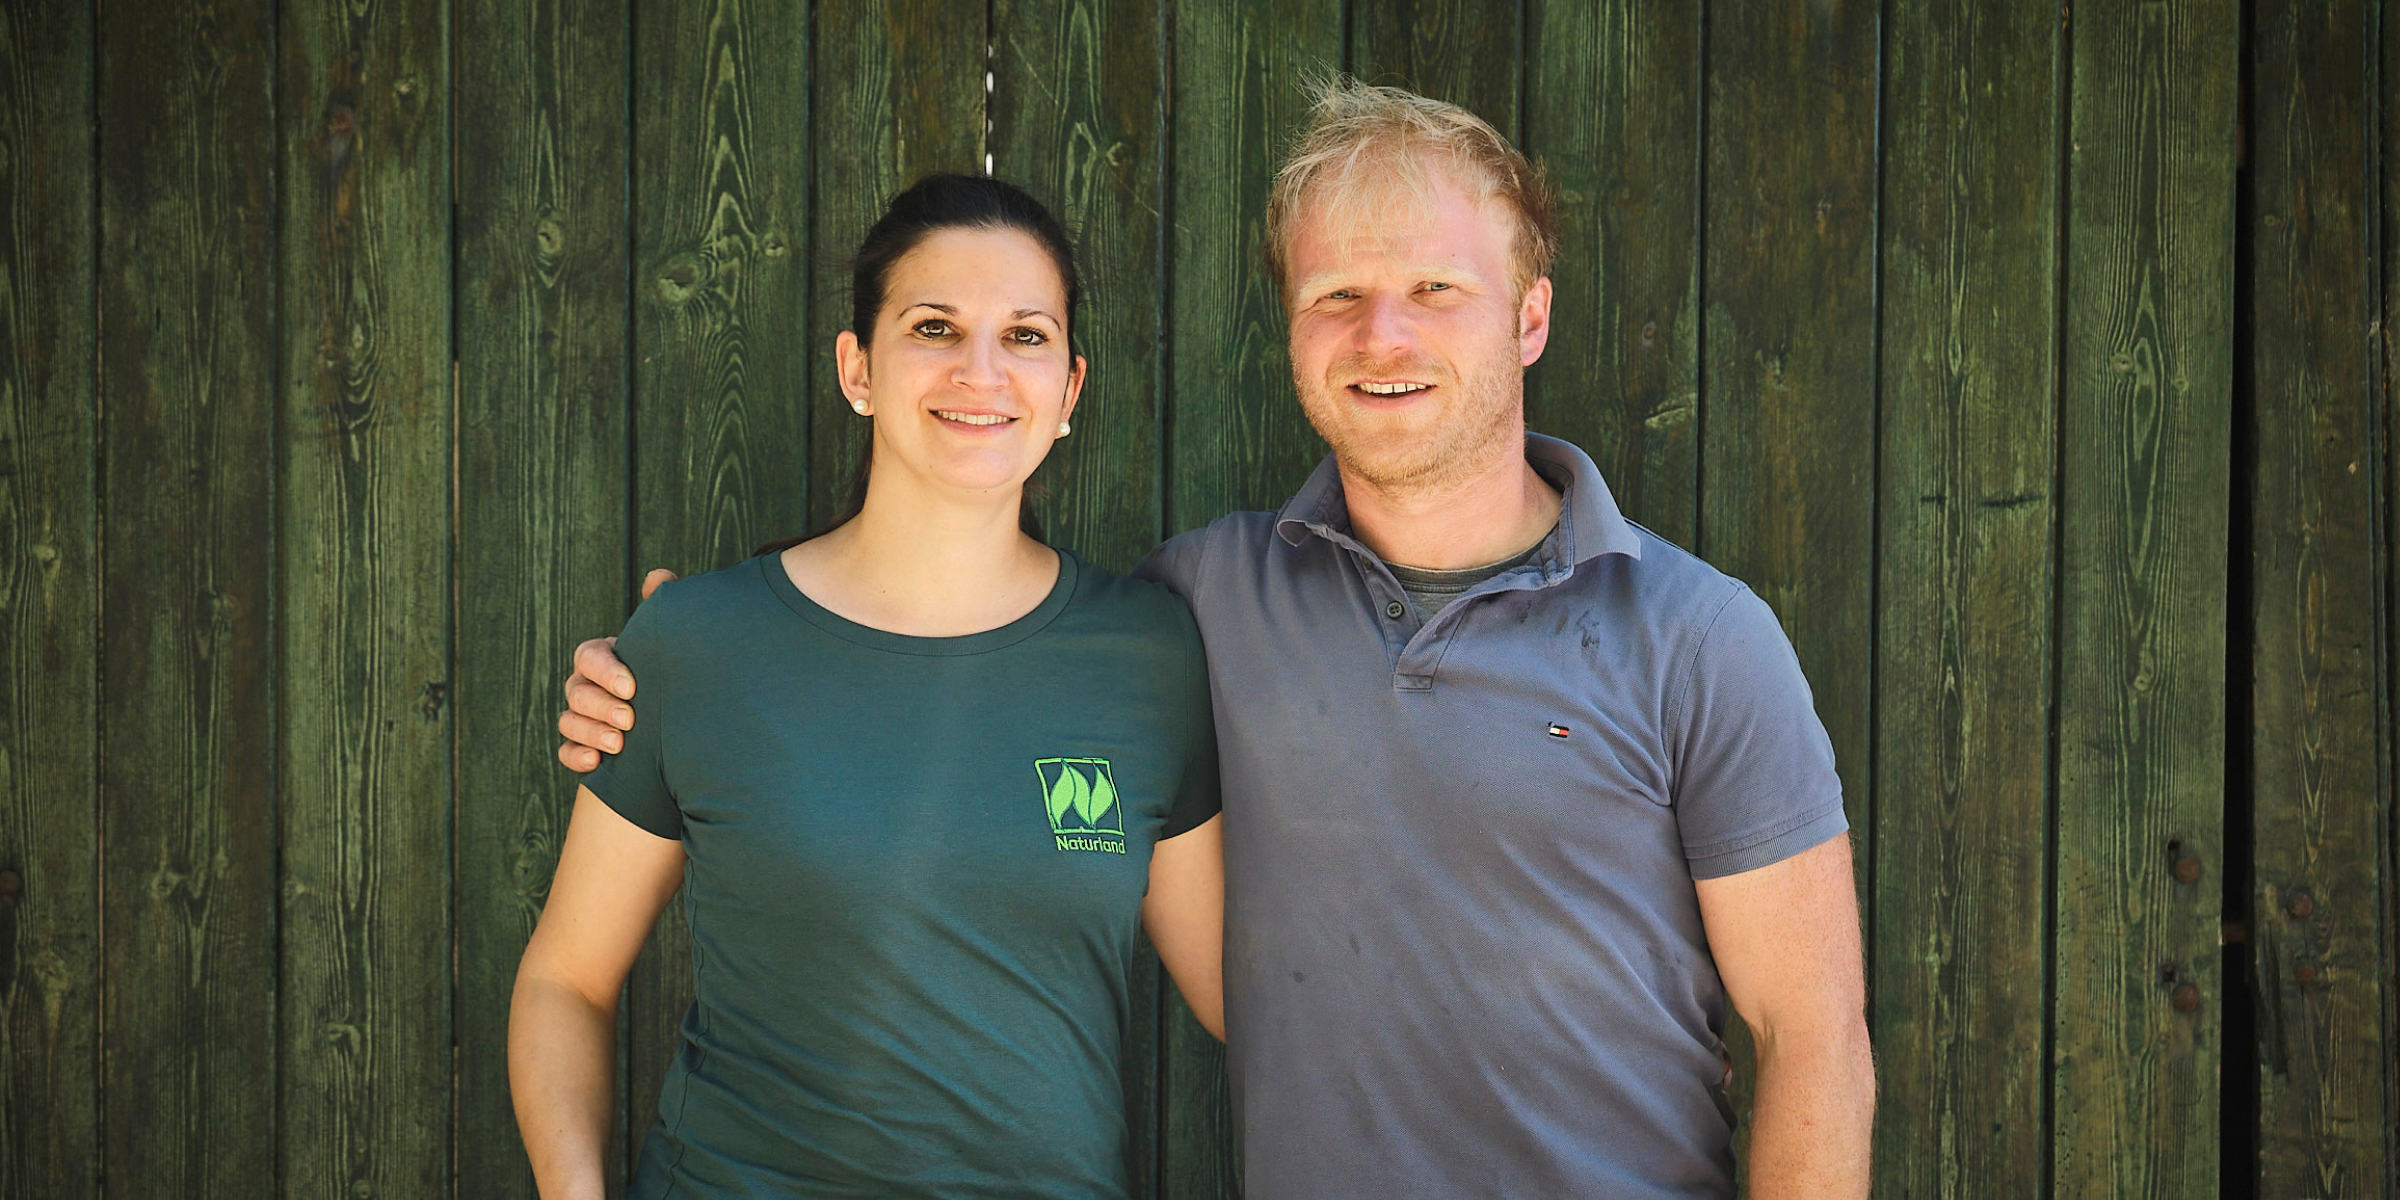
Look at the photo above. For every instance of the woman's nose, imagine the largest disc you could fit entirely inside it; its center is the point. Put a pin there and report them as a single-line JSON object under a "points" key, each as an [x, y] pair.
{"points": [[979, 366]]}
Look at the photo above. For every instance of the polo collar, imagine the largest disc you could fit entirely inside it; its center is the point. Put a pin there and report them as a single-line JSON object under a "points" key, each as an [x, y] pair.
{"points": [[1589, 522]]}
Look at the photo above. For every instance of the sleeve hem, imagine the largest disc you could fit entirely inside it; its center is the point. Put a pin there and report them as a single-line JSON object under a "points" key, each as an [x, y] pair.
{"points": [[1773, 846], [601, 782]]}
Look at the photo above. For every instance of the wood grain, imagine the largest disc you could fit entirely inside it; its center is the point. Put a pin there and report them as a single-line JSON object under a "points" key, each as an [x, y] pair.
{"points": [[543, 436], [2147, 375], [1236, 436], [188, 576], [899, 95], [1966, 500], [2321, 951], [1079, 119], [1612, 112], [364, 512], [721, 170], [49, 831], [1468, 52], [1788, 369]]}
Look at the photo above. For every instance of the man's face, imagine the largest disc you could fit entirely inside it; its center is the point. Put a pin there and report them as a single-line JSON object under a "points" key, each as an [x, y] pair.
{"points": [[1409, 342]]}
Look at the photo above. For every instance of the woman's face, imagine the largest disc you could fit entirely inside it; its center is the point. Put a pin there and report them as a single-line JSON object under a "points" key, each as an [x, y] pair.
{"points": [[969, 373]]}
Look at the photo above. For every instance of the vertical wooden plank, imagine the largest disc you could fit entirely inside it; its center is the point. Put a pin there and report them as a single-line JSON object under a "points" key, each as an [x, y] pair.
{"points": [[49, 837], [1968, 263], [364, 513], [1612, 111], [1078, 117], [2321, 954], [542, 442], [899, 86], [1788, 368], [2146, 371], [187, 326], [1468, 52], [721, 171], [1236, 436]]}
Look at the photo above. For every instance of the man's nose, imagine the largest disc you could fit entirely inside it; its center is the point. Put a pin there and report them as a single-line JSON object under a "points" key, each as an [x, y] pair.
{"points": [[1385, 329]]}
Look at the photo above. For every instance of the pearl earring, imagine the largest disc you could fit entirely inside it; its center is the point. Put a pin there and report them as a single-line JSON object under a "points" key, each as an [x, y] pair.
{"points": [[1064, 429], [860, 406]]}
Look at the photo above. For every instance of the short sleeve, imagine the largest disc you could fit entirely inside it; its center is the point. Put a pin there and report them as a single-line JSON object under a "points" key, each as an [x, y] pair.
{"points": [[1196, 794], [1754, 779], [1175, 564], [633, 781]]}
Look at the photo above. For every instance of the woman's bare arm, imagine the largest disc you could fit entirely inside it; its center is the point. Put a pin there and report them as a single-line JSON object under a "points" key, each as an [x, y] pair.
{"points": [[613, 880], [1184, 914]]}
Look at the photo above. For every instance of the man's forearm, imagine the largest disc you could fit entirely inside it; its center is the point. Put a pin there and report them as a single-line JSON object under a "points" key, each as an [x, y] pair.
{"points": [[1812, 1118]]}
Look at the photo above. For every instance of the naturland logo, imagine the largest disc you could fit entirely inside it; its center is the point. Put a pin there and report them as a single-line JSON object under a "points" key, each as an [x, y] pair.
{"points": [[1082, 801]]}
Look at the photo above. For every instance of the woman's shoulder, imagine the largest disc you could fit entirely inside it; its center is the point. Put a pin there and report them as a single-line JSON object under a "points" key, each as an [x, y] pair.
{"points": [[695, 616], [1132, 606]]}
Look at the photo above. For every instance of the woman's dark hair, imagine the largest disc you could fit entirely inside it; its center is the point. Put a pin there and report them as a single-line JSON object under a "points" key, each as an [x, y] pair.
{"points": [[929, 206]]}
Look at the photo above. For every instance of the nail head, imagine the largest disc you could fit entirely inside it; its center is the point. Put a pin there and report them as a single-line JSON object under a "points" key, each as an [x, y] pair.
{"points": [[12, 885]]}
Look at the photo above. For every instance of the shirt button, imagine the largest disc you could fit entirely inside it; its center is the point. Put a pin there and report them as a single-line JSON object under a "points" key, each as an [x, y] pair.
{"points": [[1395, 610]]}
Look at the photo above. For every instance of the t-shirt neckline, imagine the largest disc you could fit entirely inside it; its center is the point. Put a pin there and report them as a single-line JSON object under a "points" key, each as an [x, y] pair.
{"points": [[779, 581]]}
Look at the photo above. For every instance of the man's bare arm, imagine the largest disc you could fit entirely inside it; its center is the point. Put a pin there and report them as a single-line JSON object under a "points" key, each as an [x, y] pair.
{"points": [[1786, 941], [598, 694]]}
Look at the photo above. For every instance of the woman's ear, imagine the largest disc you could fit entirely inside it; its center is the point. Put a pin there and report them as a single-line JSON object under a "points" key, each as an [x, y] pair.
{"points": [[1066, 411], [850, 362]]}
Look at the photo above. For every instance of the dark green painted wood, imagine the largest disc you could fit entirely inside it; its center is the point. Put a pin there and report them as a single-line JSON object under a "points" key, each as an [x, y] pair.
{"points": [[1788, 368], [364, 511], [1967, 500], [2147, 374], [899, 95], [1613, 115], [2321, 967], [188, 577], [49, 834], [721, 171], [1236, 438], [1078, 117], [542, 442], [1468, 52]]}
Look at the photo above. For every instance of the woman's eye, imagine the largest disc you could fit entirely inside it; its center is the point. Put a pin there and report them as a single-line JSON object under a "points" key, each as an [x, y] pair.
{"points": [[1029, 337], [933, 329]]}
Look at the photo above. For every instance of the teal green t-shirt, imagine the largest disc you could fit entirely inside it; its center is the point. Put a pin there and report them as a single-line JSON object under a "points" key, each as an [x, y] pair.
{"points": [[914, 876]]}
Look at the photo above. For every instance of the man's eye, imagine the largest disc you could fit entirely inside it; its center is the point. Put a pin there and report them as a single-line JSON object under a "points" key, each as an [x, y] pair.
{"points": [[933, 329], [1341, 294], [1437, 287]]}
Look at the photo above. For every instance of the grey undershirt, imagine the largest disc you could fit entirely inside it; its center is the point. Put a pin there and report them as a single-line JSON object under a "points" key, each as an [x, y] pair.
{"points": [[1432, 591]]}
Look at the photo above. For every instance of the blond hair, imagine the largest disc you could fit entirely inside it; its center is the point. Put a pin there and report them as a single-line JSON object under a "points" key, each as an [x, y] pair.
{"points": [[1360, 136]]}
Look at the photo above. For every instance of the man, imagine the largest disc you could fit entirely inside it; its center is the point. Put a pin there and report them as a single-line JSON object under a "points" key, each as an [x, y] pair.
{"points": [[1517, 795]]}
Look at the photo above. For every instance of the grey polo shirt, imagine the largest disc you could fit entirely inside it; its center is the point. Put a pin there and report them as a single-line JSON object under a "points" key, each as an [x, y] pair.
{"points": [[1463, 951]]}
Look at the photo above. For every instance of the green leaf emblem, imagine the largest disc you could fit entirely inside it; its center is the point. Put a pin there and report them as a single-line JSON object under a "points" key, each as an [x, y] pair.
{"points": [[1069, 794], [1099, 798]]}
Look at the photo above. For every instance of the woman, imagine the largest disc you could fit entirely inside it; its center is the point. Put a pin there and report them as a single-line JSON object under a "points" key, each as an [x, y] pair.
{"points": [[916, 777]]}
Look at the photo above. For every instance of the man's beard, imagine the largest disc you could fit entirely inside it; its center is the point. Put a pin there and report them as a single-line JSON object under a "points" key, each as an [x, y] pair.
{"points": [[1483, 411]]}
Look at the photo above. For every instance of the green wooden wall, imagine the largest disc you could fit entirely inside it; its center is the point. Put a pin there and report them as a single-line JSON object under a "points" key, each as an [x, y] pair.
{"points": [[356, 358]]}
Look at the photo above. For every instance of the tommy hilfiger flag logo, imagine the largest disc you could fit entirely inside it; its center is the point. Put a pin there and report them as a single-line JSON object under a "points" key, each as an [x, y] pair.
{"points": [[1081, 797]]}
